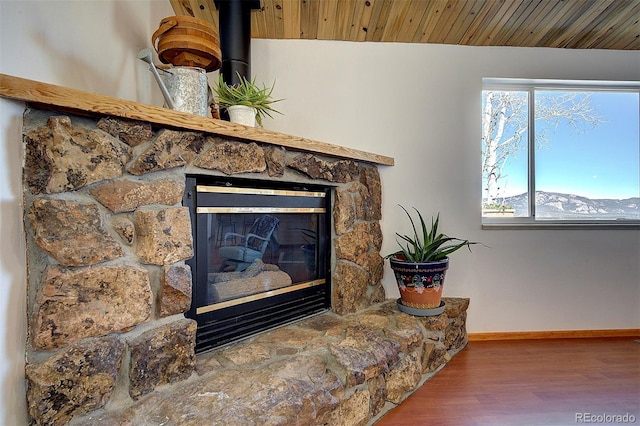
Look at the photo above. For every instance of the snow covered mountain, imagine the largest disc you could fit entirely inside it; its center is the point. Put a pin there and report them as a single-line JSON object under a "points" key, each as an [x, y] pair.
{"points": [[565, 206]]}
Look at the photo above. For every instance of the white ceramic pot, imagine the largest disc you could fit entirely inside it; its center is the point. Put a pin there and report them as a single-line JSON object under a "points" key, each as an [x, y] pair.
{"points": [[242, 114]]}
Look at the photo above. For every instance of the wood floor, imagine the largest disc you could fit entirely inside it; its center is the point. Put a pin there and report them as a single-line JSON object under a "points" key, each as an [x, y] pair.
{"points": [[529, 382]]}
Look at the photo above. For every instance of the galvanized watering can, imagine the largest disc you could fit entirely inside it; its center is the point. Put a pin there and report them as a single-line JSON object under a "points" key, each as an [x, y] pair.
{"points": [[184, 89]]}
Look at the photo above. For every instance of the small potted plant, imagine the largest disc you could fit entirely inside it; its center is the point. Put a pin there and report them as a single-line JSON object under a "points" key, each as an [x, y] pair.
{"points": [[245, 99], [420, 265]]}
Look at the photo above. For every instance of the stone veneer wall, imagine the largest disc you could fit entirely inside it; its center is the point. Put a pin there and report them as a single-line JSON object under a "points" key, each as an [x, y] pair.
{"points": [[107, 238]]}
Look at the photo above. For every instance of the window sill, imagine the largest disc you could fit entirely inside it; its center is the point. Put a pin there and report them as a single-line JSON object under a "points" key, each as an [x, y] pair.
{"points": [[567, 225]]}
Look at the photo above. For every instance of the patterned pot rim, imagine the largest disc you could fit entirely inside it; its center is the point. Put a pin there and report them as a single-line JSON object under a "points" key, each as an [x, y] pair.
{"points": [[404, 266]]}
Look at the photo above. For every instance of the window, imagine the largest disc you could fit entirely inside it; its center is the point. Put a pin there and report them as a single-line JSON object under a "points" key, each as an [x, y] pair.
{"points": [[560, 153]]}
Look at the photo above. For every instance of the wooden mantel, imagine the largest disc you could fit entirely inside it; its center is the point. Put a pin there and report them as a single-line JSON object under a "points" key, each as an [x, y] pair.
{"points": [[56, 97]]}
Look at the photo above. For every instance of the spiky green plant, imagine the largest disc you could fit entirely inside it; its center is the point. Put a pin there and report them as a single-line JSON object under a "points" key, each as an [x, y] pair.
{"points": [[246, 93], [429, 245]]}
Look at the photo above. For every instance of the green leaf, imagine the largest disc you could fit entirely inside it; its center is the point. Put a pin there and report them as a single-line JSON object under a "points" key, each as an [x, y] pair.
{"points": [[246, 93], [428, 244]]}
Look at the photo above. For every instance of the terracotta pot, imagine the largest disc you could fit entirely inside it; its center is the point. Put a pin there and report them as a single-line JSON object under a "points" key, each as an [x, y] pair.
{"points": [[420, 283]]}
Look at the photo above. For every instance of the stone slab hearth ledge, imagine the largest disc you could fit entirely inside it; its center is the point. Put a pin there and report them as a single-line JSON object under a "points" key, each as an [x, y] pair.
{"points": [[49, 96], [325, 370]]}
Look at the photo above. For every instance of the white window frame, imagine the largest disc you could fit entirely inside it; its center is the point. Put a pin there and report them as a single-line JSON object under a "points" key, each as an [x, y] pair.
{"points": [[530, 86]]}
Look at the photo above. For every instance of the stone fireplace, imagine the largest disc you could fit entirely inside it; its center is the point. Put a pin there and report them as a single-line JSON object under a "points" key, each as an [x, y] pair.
{"points": [[110, 243]]}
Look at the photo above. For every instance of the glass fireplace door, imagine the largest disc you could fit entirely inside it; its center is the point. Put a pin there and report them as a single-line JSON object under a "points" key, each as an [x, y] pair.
{"points": [[258, 248]]}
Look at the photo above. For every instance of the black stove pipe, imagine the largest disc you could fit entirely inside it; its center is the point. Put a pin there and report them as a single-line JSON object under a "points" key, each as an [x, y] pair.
{"points": [[235, 37]]}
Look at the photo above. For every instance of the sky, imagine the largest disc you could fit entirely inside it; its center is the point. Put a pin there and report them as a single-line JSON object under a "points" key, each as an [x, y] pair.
{"points": [[602, 162]]}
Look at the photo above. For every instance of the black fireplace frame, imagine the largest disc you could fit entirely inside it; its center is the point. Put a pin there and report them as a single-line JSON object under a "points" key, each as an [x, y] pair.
{"points": [[229, 324]]}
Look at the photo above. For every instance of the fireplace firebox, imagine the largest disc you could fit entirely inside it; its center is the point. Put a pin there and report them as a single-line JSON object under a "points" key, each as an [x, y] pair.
{"points": [[262, 255]]}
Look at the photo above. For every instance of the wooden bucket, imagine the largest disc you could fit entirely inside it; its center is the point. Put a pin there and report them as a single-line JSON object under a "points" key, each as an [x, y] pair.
{"points": [[188, 42]]}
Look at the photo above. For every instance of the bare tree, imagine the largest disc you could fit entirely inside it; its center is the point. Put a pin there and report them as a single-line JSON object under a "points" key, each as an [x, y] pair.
{"points": [[505, 128]]}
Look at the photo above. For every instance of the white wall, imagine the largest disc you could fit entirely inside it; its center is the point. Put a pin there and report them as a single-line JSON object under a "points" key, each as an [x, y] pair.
{"points": [[416, 103], [421, 105]]}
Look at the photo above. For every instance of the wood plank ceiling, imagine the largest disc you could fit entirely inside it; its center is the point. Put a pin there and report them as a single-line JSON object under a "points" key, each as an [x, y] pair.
{"points": [[574, 24]]}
